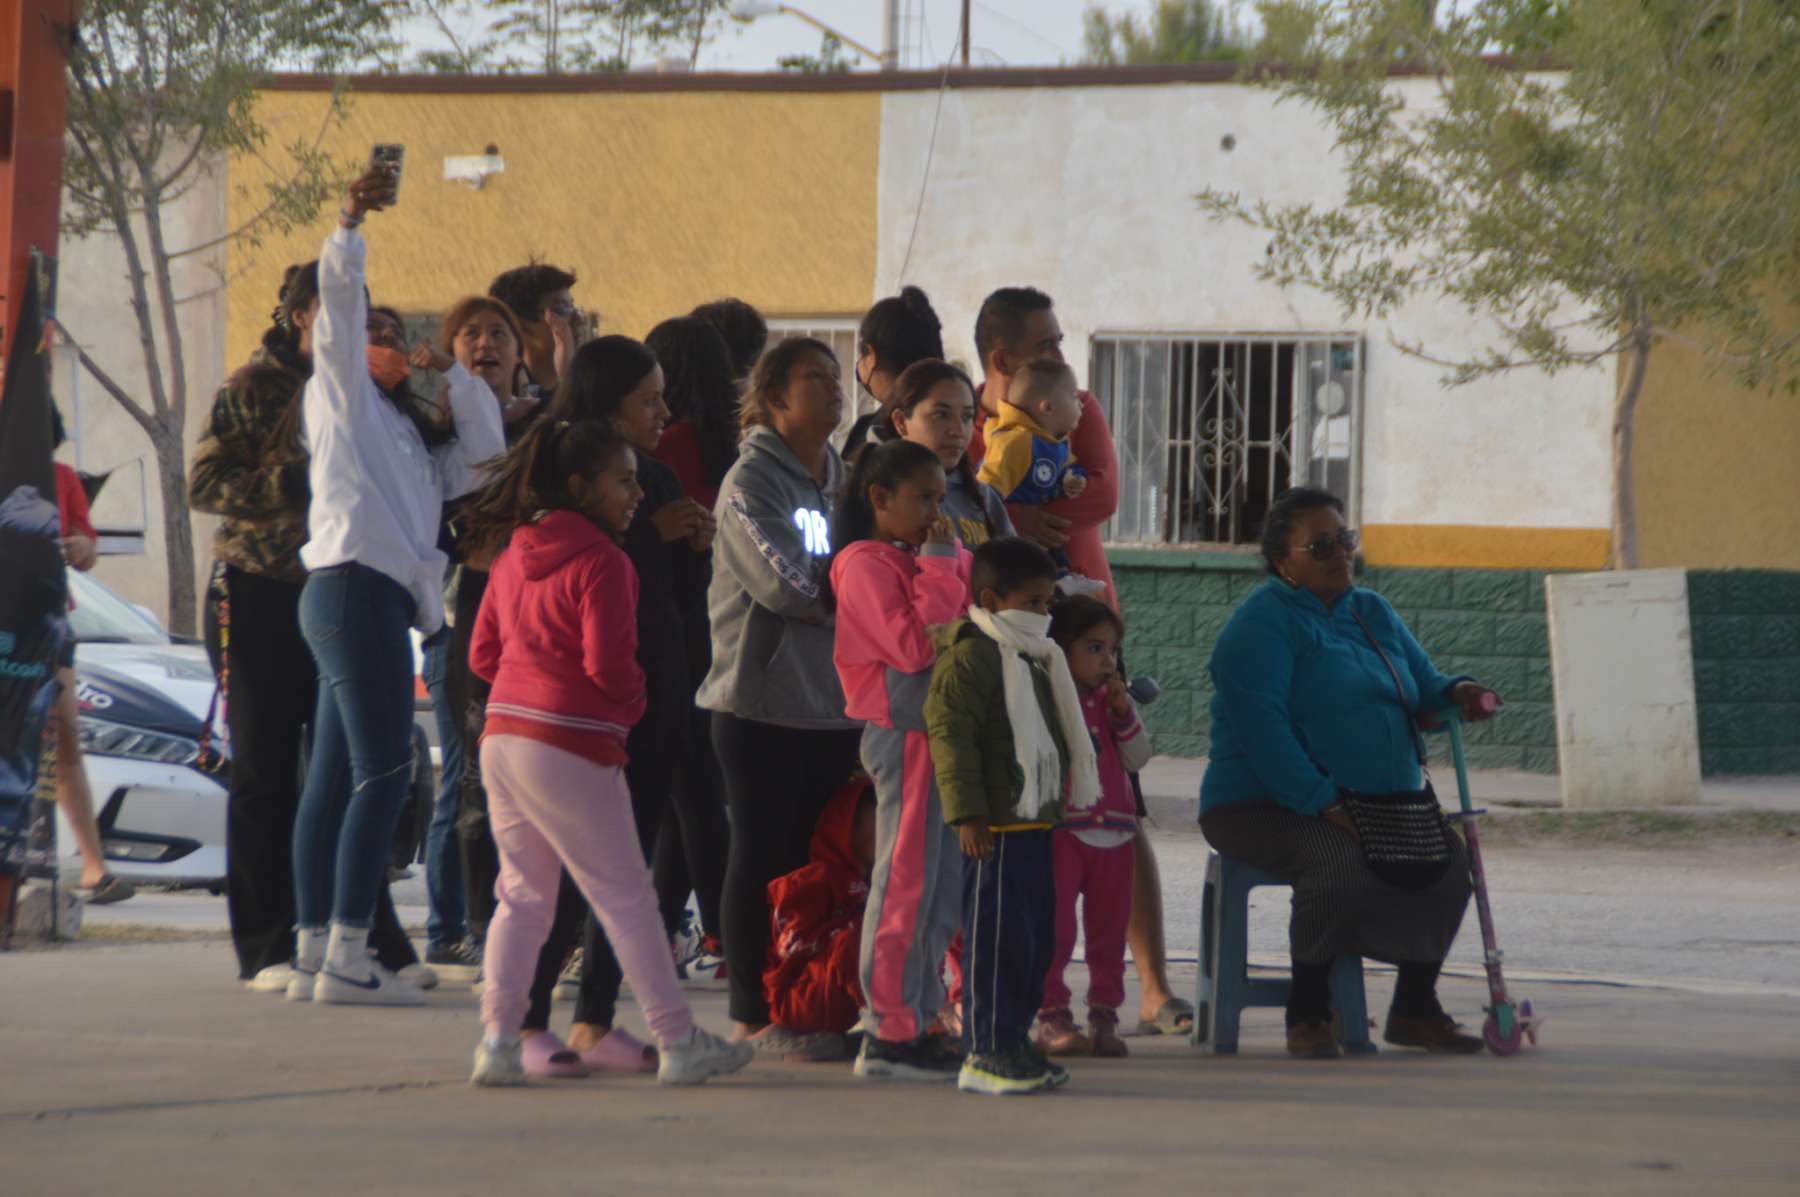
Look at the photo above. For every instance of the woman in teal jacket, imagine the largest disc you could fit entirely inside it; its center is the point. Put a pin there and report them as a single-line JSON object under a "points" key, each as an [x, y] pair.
{"points": [[1304, 708]]}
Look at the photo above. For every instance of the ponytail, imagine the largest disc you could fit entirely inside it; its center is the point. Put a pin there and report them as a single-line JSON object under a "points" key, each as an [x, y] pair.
{"points": [[533, 477], [886, 465], [299, 287], [917, 382]]}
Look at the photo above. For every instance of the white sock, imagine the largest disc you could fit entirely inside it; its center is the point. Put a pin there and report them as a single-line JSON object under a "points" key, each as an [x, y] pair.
{"points": [[347, 953], [309, 949]]}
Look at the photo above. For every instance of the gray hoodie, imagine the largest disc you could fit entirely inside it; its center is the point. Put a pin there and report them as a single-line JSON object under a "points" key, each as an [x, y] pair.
{"points": [[979, 514], [771, 637]]}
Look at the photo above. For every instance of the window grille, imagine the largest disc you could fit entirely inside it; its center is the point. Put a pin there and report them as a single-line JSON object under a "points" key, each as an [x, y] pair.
{"points": [[840, 334], [1211, 427]]}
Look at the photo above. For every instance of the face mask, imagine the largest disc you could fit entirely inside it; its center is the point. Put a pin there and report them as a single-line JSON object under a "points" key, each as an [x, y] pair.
{"points": [[1026, 623], [387, 366]]}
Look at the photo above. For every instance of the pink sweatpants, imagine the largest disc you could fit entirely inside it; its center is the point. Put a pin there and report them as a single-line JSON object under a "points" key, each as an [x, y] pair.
{"points": [[552, 810], [1101, 878]]}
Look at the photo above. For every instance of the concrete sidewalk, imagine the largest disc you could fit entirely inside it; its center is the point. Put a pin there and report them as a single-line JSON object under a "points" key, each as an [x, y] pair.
{"points": [[146, 1070]]}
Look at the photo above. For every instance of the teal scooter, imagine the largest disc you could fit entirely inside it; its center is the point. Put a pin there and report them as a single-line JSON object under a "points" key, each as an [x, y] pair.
{"points": [[1507, 1025]]}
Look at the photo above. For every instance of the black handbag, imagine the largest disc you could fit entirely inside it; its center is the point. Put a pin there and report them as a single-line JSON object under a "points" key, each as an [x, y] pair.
{"points": [[1405, 838]]}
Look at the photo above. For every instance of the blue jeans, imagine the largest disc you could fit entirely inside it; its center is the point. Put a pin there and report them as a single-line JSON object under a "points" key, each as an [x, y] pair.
{"points": [[443, 860], [355, 621]]}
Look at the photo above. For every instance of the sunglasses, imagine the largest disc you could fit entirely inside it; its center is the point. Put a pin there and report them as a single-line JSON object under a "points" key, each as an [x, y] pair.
{"points": [[1349, 540]]}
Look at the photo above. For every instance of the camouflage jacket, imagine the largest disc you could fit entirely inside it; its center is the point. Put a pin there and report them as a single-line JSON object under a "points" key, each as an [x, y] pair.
{"points": [[250, 467]]}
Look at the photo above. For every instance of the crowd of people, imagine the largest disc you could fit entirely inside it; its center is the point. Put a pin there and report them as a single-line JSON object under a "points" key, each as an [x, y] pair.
{"points": [[867, 708]]}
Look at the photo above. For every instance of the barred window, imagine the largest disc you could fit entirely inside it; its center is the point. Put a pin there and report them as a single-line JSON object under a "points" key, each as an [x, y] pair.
{"points": [[839, 332], [1211, 427]]}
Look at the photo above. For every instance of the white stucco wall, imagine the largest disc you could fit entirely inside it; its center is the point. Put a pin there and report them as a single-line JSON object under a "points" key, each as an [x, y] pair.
{"points": [[1087, 193], [94, 306]]}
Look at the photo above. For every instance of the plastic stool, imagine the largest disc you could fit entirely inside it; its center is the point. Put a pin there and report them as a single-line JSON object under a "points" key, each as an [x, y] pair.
{"points": [[1225, 985]]}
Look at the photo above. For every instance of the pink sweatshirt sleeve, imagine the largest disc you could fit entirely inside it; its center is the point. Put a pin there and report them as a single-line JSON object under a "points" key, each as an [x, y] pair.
{"points": [[891, 612], [609, 631]]}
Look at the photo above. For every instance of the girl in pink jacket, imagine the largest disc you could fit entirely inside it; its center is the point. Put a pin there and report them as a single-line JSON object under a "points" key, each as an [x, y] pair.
{"points": [[898, 571], [557, 638]]}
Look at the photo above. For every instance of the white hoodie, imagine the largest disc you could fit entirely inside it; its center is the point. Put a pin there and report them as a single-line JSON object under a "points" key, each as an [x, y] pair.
{"points": [[377, 491]]}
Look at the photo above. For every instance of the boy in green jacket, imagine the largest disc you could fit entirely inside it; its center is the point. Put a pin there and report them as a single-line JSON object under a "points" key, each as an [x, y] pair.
{"points": [[1006, 733]]}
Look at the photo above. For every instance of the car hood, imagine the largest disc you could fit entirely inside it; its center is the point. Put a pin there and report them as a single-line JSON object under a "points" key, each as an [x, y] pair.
{"points": [[178, 675]]}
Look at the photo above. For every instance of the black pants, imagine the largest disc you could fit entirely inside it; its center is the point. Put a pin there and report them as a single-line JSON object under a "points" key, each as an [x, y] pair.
{"points": [[1339, 905], [468, 695], [695, 837], [270, 694], [777, 782], [601, 976], [271, 690], [1009, 939]]}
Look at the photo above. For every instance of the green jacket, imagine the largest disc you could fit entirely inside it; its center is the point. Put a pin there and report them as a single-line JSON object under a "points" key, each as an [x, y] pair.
{"points": [[251, 468], [972, 753]]}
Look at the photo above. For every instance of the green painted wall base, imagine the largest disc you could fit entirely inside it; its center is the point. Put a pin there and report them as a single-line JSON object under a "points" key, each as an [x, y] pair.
{"points": [[1489, 624]]}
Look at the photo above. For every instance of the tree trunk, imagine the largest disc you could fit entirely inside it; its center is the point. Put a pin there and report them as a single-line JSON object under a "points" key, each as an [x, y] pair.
{"points": [[1624, 514], [178, 529]]}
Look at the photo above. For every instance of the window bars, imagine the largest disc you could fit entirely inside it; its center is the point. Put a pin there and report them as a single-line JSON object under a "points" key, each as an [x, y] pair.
{"points": [[1211, 427]]}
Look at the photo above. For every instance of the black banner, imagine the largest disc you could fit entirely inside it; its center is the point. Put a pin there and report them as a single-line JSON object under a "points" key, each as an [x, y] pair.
{"points": [[33, 589]]}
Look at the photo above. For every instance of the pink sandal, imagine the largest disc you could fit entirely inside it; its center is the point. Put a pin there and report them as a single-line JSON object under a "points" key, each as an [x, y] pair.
{"points": [[543, 1054], [618, 1051]]}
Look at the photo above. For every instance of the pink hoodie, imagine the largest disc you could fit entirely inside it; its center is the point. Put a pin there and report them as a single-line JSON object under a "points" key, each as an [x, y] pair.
{"points": [[887, 595], [557, 636]]}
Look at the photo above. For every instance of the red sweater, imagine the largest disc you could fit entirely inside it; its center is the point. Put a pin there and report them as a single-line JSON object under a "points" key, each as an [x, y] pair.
{"points": [[1092, 445], [557, 637], [816, 913], [679, 449], [72, 504]]}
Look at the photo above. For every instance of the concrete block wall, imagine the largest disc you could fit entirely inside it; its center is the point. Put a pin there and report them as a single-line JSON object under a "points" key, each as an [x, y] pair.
{"points": [[1490, 624], [1486, 623], [1746, 627]]}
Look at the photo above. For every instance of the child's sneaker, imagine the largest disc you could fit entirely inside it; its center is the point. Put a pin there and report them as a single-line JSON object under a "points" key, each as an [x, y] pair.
{"points": [[498, 1064], [918, 1059], [1059, 1036], [1008, 1073], [1103, 1031], [702, 1056], [1055, 1075]]}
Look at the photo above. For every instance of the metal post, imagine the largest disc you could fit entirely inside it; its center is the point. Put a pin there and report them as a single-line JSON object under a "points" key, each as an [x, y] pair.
{"points": [[965, 34], [33, 91], [890, 35]]}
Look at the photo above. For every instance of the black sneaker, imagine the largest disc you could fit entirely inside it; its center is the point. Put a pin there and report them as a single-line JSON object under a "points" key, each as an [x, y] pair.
{"points": [[946, 1048], [455, 961], [1055, 1075], [1008, 1073], [914, 1060]]}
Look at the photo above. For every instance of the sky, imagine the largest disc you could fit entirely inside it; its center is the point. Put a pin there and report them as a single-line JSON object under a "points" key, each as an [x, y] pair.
{"points": [[1005, 32]]}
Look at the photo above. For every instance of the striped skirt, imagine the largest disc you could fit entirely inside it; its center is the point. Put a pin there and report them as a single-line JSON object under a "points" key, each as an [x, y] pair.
{"points": [[1339, 905]]}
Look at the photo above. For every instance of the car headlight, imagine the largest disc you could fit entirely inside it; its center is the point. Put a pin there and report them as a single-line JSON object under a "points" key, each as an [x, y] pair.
{"points": [[101, 738]]}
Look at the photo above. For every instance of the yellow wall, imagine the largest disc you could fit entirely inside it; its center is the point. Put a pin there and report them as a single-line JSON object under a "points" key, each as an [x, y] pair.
{"points": [[657, 201], [1463, 546], [1718, 465]]}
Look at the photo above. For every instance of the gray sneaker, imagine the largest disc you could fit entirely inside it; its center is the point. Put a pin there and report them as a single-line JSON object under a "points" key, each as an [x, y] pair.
{"points": [[498, 1064], [776, 1042], [703, 1055]]}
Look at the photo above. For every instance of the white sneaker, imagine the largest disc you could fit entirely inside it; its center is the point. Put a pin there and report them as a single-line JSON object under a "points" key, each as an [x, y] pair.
{"points": [[421, 976], [498, 1064], [568, 985], [703, 1055], [378, 987], [273, 979], [309, 957]]}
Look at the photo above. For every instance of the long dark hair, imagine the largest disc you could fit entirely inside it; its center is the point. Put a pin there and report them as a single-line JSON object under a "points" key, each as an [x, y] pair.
{"points": [[886, 465], [917, 382], [699, 387], [299, 287], [600, 375], [746, 333], [534, 475], [901, 329]]}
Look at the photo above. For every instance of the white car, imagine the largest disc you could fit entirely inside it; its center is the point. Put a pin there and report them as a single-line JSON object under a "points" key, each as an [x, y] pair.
{"points": [[143, 698]]}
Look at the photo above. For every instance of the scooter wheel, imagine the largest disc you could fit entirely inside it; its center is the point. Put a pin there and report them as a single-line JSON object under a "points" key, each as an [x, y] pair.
{"points": [[1501, 1045]]}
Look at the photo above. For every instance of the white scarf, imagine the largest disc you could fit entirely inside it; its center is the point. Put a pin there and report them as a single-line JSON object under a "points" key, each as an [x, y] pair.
{"points": [[1022, 634]]}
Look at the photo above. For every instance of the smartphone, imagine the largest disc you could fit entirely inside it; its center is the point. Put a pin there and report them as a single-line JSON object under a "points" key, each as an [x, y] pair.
{"points": [[390, 156]]}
